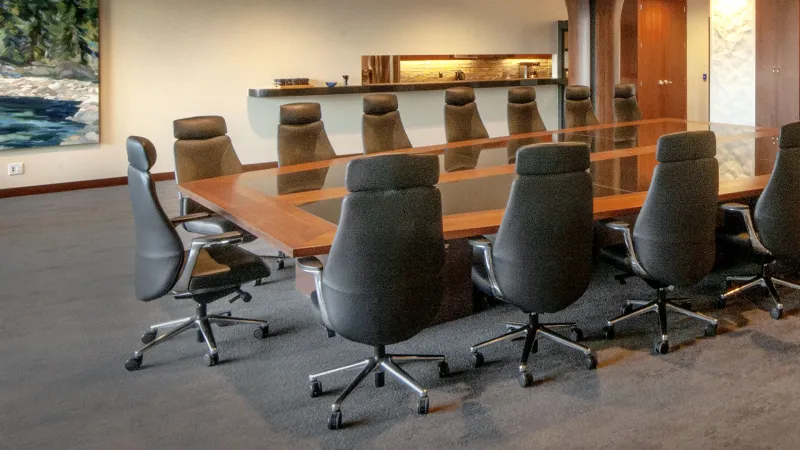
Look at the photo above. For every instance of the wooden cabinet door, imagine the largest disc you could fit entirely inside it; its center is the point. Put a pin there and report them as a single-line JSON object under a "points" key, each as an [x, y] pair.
{"points": [[788, 62], [766, 65], [673, 38]]}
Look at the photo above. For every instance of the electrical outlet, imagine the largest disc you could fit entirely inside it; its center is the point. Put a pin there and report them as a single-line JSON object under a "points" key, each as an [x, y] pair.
{"points": [[16, 168]]}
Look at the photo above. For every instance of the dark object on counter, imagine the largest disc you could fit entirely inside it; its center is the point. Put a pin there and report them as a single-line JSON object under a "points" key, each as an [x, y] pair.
{"points": [[280, 81], [460, 75], [346, 79]]}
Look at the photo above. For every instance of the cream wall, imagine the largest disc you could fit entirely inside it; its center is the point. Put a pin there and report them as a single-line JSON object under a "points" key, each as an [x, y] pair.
{"points": [[165, 59], [697, 47]]}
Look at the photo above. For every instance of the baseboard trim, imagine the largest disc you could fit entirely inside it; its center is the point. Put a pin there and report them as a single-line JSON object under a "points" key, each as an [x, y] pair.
{"points": [[103, 182]]}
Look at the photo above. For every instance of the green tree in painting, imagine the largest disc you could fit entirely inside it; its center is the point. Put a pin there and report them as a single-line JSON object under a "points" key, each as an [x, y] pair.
{"points": [[49, 32]]}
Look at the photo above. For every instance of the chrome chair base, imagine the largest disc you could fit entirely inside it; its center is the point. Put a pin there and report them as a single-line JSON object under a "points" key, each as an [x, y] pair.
{"points": [[766, 281], [202, 321], [661, 305], [532, 332], [379, 364]]}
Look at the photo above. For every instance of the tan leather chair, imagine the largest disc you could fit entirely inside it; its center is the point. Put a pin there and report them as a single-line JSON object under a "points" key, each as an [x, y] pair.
{"points": [[523, 117], [382, 128], [626, 108], [301, 135], [203, 150], [462, 122], [578, 106]]}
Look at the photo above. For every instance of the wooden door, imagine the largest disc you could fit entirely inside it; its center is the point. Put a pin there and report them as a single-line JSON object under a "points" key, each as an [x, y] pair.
{"points": [[787, 61], [650, 57], [673, 38], [766, 67], [662, 58]]}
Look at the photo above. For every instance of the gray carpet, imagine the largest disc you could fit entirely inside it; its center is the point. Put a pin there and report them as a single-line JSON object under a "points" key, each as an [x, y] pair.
{"points": [[69, 321]]}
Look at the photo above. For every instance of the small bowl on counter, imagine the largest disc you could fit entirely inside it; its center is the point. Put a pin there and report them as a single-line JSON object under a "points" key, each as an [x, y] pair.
{"points": [[331, 84]]}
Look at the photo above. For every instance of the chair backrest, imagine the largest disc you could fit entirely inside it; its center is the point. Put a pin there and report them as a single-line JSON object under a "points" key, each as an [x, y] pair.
{"points": [[301, 135], [523, 117], [674, 235], [382, 128], [543, 251], [382, 282], [626, 108], [462, 121], [159, 251], [202, 150], [578, 107], [777, 214]]}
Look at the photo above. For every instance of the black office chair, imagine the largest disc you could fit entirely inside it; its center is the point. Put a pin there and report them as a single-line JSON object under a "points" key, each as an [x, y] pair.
{"points": [[673, 242], [775, 235], [382, 282], [213, 268], [301, 135], [578, 107], [523, 117], [381, 126], [204, 150], [541, 260], [626, 108], [462, 122]]}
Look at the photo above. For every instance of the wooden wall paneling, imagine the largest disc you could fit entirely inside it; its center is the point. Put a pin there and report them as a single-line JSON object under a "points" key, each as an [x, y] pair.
{"points": [[766, 62], [650, 58], [673, 41], [580, 29], [788, 62], [629, 43], [606, 30]]}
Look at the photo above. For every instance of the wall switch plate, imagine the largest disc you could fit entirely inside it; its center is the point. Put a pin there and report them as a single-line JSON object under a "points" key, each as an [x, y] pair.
{"points": [[16, 168]]}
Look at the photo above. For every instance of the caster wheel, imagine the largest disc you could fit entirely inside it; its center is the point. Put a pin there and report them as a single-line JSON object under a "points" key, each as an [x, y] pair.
{"points": [[281, 264], [576, 334], [335, 420], [261, 332], [259, 282], [776, 313], [380, 379], [246, 297], [591, 362], [525, 379], [711, 330], [316, 389], [661, 348], [477, 359], [627, 309], [149, 337], [422, 405], [133, 364], [608, 332], [211, 359], [720, 302], [444, 370]]}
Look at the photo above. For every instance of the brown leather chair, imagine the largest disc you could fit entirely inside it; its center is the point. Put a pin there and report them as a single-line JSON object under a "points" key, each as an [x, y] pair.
{"points": [[523, 117], [462, 122], [301, 135], [382, 127], [626, 109], [203, 150], [578, 106]]}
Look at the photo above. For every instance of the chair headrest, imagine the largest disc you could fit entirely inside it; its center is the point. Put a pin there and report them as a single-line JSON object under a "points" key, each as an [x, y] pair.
{"points": [[521, 95], [199, 128], [141, 153], [391, 172], [459, 96], [553, 158], [300, 113], [379, 104], [790, 135], [624, 90], [577, 93], [686, 146]]}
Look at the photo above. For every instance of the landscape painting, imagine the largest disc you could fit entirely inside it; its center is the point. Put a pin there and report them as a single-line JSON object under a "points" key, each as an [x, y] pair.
{"points": [[49, 73]]}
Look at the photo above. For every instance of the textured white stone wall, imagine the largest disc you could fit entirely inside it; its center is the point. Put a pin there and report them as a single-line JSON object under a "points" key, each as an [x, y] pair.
{"points": [[733, 62], [733, 80]]}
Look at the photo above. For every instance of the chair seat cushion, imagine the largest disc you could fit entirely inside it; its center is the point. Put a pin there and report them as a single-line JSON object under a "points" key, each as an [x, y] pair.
{"points": [[210, 226], [617, 256], [740, 243], [226, 266]]}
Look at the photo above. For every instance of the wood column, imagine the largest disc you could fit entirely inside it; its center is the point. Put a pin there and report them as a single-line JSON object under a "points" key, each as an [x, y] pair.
{"points": [[580, 31], [606, 53]]}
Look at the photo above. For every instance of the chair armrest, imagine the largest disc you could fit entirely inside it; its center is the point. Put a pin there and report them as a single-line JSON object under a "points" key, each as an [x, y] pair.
{"points": [[188, 218], [744, 211], [315, 267], [229, 238], [627, 237], [483, 244]]}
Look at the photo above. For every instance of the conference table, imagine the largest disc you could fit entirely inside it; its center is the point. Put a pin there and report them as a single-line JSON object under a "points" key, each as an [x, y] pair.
{"points": [[296, 208]]}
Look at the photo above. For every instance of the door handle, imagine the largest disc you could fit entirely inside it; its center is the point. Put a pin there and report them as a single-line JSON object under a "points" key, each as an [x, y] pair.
{"points": [[667, 82], [661, 82]]}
